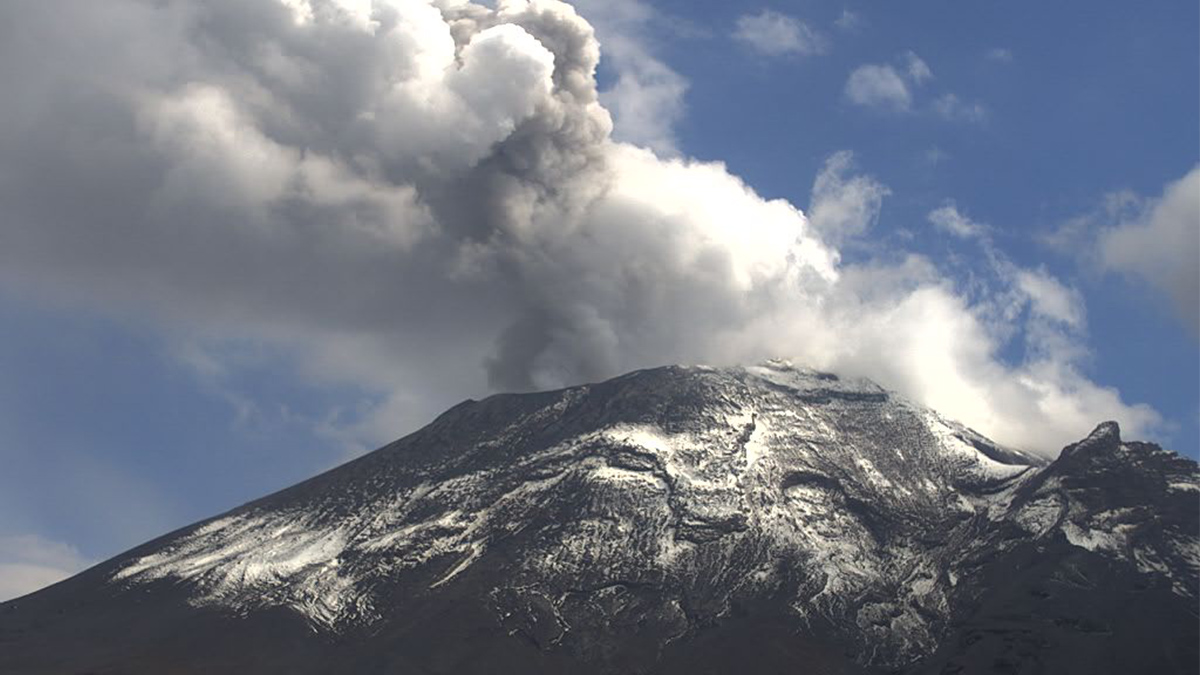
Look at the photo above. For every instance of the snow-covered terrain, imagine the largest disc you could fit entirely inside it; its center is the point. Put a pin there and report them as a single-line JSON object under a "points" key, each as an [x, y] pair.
{"points": [[657, 503]]}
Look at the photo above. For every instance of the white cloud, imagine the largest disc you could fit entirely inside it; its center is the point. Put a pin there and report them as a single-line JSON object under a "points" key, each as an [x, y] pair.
{"points": [[999, 55], [918, 71], [1051, 299], [895, 88], [1162, 247], [848, 21], [647, 101], [843, 206], [1049, 319], [947, 218], [647, 98], [775, 34], [29, 562], [878, 86], [950, 107], [883, 86], [934, 156], [448, 214], [908, 328], [1076, 236]]}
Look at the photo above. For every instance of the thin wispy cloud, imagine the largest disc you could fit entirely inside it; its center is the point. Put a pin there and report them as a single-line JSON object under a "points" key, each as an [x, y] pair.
{"points": [[848, 21], [1052, 299], [843, 205], [999, 55], [934, 156], [1076, 236], [918, 71], [775, 34], [948, 219], [950, 107]]}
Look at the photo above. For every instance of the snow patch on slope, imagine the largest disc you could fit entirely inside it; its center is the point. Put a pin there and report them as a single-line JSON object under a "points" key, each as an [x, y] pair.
{"points": [[237, 555]]}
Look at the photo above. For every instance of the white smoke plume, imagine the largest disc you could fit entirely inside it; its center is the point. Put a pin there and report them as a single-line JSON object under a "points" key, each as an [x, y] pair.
{"points": [[424, 198]]}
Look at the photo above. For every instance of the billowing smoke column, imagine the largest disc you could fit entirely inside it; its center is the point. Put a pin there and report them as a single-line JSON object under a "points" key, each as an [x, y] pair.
{"points": [[415, 195]]}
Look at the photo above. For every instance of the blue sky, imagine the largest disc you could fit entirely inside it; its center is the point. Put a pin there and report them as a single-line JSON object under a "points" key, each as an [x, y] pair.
{"points": [[1088, 100], [1001, 221]]}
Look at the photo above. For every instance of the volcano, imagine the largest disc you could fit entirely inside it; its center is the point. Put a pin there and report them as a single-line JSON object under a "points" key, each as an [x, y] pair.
{"points": [[762, 519]]}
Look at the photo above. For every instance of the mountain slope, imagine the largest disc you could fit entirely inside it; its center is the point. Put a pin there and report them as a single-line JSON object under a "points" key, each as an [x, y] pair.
{"points": [[671, 520]]}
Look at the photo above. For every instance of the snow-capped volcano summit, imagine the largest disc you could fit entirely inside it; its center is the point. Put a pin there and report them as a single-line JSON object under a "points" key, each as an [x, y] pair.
{"points": [[670, 520]]}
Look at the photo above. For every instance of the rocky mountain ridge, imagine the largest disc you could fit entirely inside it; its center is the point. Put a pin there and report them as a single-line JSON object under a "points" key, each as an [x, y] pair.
{"points": [[636, 524]]}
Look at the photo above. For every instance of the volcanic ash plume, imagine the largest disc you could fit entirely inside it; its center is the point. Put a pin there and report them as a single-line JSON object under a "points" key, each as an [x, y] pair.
{"points": [[418, 195]]}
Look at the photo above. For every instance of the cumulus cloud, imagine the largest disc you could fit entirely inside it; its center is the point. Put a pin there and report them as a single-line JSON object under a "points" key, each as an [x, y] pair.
{"points": [[1162, 247], [424, 199], [29, 562], [885, 87], [774, 34], [895, 88], [878, 86]]}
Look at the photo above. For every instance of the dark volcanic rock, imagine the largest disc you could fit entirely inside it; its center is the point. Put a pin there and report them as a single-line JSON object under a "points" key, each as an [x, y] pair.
{"points": [[677, 520]]}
